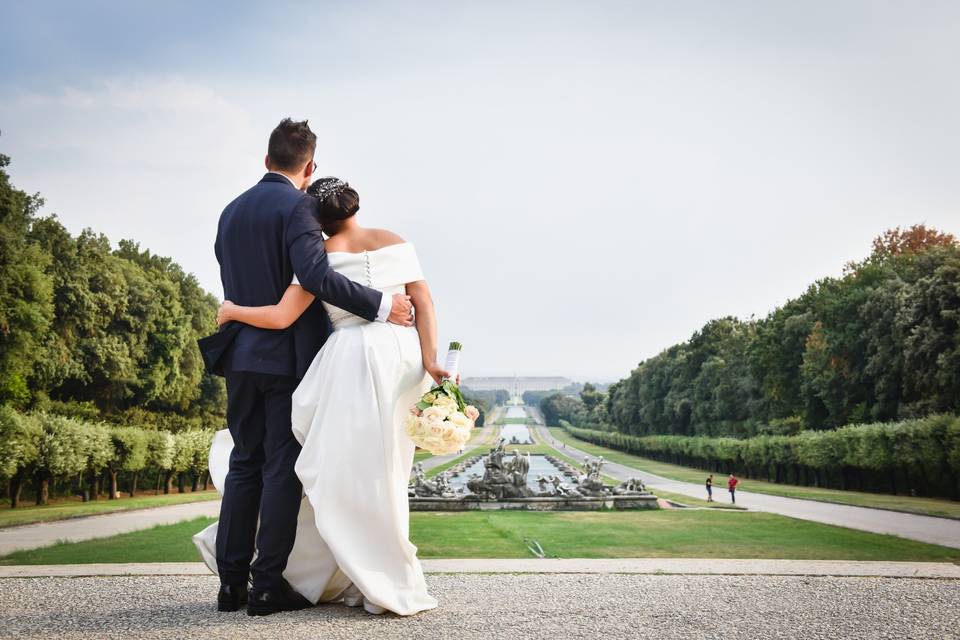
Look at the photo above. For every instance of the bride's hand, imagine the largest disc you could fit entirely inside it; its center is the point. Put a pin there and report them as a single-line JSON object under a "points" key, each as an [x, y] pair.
{"points": [[436, 372], [225, 313]]}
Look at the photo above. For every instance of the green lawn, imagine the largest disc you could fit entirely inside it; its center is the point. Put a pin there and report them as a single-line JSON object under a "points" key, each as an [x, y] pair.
{"points": [[695, 533], [924, 506], [421, 455], [74, 507], [163, 543]]}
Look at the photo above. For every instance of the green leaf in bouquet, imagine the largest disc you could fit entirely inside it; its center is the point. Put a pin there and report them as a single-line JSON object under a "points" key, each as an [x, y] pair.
{"points": [[451, 389]]}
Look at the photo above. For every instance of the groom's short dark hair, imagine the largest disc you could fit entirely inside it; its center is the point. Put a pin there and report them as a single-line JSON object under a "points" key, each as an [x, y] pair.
{"points": [[291, 145]]}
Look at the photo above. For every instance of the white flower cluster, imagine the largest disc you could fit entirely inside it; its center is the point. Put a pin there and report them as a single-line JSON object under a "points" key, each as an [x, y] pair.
{"points": [[441, 428]]}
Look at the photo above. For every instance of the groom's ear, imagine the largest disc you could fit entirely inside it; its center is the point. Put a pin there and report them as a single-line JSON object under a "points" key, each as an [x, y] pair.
{"points": [[266, 161], [307, 172]]}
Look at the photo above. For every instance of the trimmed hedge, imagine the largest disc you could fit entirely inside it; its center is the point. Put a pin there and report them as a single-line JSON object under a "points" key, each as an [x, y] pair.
{"points": [[917, 457], [40, 450]]}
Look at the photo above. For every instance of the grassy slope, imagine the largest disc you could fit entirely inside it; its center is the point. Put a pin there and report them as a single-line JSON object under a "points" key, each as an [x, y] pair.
{"points": [[73, 508], [703, 533], [924, 506]]}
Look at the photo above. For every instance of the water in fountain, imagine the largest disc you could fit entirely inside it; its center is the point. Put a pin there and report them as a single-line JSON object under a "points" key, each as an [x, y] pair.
{"points": [[539, 466], [519, 431]]}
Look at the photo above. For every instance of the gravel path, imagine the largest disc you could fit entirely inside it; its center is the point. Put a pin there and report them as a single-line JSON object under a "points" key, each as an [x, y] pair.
{"points": [[525, 607], [942, 531]]}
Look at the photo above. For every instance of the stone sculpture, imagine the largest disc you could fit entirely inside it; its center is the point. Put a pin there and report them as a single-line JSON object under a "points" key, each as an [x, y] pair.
{"points": [[502, 480], [506, 477]]}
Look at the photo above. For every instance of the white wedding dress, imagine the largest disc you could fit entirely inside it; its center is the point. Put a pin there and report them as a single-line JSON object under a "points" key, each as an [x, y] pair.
{"points": [[348, 412]]}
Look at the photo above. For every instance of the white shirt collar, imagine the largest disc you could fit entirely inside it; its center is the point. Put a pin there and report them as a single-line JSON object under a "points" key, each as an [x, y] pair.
{"points": [[289, 179]]}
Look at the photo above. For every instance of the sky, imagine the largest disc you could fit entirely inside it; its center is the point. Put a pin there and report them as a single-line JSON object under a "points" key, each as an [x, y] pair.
{"points": [[585, 183]]}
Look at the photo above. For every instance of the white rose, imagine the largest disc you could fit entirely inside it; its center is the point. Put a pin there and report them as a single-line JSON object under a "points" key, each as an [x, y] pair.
{"points": [[423, 429], [472, 412], [458, 419], [446, 402], [449, 433], [435, 414]]}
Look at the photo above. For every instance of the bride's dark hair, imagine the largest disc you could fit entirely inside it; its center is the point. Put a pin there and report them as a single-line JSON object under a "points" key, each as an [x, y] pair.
{"points": [[337, 201]]}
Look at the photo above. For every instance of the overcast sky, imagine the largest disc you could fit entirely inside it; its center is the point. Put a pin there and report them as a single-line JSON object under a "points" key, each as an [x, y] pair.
{"points": [[586, 183]]}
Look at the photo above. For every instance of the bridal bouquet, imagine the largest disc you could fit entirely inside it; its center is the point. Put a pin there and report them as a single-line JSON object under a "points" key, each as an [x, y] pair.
{"points": [[441, 422]]}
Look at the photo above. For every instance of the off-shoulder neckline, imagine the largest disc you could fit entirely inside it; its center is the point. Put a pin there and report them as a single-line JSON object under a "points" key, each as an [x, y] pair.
{"points": [[360, 253]]}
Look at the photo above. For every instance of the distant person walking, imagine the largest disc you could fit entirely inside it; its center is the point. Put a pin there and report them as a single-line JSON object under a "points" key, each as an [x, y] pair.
{"points": [[710, 488], [732, 488]]}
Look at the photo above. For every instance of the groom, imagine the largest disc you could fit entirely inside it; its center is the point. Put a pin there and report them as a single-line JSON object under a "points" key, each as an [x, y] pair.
{"points": [[264, 237]]}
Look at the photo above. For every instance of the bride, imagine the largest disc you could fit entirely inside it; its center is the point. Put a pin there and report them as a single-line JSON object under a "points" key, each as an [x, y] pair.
{"points": [[352, 540]]}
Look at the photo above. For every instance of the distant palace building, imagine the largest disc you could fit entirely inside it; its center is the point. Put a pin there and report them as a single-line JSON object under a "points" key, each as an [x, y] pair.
{"points": [[517, 385]]}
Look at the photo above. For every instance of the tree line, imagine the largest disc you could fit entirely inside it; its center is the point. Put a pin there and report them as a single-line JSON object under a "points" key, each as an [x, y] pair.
{"points": [[919, 456], [94, 339], [881, 343], [93, 458], [107, 329]]}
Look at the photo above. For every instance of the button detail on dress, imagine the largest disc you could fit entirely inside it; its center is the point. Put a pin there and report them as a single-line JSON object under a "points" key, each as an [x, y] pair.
{"points": [[369, 272]]}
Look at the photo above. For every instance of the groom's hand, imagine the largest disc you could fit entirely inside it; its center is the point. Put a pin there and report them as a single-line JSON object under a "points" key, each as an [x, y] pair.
{"points": [[402, 311]]}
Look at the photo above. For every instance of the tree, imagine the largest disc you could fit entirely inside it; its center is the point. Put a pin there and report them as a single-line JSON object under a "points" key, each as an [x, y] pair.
{"points": [[191, 452], [19, 448], [202, 440], [61, 452], [930, 324], [162, 449], [914, 240], [131, 452], [100, 453], [561, 407], [26, 292]]}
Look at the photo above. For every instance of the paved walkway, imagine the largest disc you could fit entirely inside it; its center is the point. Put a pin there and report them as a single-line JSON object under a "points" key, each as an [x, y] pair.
{"points": [[537, 606], [43, 534], [942, 531], [647, 566]]}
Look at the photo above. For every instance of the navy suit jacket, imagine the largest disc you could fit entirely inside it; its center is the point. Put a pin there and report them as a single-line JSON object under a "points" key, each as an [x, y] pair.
{"points": [[265, 236]]}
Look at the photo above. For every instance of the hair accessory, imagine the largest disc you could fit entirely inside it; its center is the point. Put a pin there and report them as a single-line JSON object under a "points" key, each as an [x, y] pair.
{"points": [[325, 187]]}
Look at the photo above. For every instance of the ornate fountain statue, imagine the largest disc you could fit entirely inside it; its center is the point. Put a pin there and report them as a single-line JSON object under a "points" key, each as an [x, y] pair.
{"points": [[590, 483], [542, 483], [561, 489], [506, 477], [502, 479], [423, 488], [629, 487]]}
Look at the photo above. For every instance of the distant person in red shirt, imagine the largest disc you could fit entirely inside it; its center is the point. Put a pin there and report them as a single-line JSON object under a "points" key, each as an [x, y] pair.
{"points": [[732, 488]]}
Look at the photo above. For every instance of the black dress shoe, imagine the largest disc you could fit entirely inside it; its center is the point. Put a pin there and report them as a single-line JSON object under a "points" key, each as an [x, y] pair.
{"points": [[263, 602], [232, 597]]}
